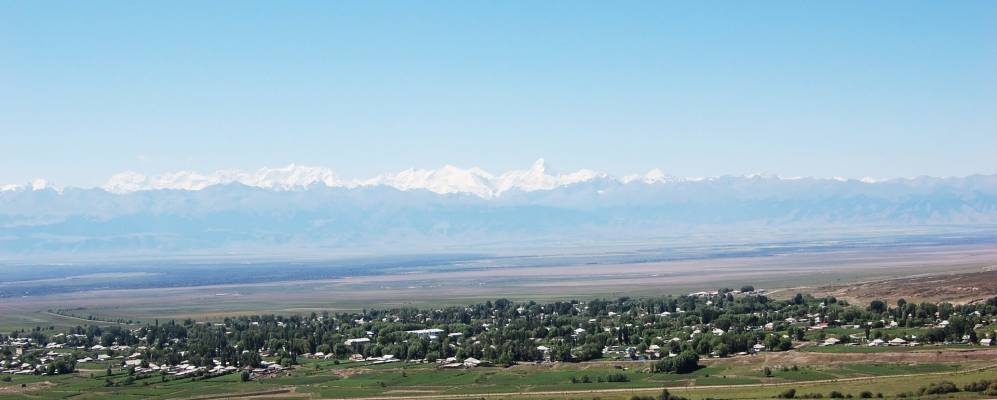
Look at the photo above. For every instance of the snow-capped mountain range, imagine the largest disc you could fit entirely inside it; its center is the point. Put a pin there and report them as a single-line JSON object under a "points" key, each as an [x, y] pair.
{"points": [[297, 207], [445, 180]]}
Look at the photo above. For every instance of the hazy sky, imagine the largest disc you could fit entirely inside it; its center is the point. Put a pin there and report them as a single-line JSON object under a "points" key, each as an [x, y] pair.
{"points": [[852, 89]]}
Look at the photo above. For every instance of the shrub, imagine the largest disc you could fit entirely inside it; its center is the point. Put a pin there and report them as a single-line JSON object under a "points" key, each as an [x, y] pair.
{"points": [[979, 386], [942, 387], [665, 395], [787, 394], [865, 394], [685, 362]]}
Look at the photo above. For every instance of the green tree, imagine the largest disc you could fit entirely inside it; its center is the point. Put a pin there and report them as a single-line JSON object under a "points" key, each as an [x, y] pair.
{"points": [[505, 359], [877, 306]]}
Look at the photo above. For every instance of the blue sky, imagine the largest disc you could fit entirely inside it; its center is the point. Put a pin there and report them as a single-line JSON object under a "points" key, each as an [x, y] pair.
{"points": [[851, 89]]}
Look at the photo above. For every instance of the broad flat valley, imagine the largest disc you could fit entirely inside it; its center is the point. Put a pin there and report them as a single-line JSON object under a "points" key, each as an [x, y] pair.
{"points": [[859, 269]]}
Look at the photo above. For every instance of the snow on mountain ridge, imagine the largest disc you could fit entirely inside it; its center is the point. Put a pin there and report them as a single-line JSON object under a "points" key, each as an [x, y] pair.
{"points": [[35, 185], [448, 179], [284, 178], [445, 180]]}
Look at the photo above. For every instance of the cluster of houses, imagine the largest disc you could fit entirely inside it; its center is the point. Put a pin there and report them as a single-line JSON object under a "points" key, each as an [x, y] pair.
{"points": [[452, 362], [811, 321], [430, 333], [910, 341], [266, 370], [99, 353], [713, 293], [21, 365]]}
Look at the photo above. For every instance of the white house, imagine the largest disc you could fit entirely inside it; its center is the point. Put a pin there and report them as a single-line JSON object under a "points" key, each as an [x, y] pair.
{"points": [[426, 333]]}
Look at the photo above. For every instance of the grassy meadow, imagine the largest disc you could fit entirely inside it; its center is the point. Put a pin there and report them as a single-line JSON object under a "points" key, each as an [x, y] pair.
{"points": [[738, 377]]}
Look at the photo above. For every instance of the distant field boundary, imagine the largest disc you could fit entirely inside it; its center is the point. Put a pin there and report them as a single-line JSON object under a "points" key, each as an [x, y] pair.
{"points": [[98, 321]]}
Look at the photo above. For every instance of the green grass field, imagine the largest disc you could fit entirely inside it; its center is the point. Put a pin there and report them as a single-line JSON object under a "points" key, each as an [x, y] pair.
{"points": [[883, 349], [726, 378]]}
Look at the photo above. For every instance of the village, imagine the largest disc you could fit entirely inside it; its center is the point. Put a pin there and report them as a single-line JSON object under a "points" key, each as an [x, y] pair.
{"points": [[717, 324]]}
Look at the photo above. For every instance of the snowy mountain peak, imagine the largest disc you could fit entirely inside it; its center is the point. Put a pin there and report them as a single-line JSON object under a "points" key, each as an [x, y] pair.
{"points": [[128, 181], [291, 177], [539, 166], [40, 184], [538, 177], [651, 177]]}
